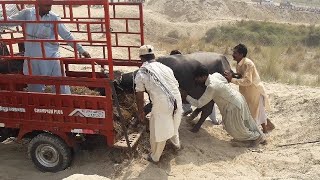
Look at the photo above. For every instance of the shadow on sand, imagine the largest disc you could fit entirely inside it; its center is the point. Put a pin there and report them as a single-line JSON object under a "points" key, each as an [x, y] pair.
{"points": [[198, 149]]}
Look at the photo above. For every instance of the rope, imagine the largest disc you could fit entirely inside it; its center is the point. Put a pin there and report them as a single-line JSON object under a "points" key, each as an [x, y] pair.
{"points": [[293, 144]]}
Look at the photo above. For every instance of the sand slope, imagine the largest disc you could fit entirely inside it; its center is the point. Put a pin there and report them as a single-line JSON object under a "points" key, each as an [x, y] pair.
{"points": [[209, 153]]}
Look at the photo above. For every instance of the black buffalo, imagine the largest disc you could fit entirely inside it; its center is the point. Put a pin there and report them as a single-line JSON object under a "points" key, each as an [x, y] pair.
{"points": [[9, 66], [183, 67]]}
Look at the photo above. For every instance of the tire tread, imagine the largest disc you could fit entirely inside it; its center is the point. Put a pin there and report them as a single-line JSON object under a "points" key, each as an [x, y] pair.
{"points": [[58, 143]]}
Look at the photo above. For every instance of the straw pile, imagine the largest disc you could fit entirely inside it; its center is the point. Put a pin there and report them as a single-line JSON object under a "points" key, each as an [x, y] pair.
{"points": [[129, 109]]}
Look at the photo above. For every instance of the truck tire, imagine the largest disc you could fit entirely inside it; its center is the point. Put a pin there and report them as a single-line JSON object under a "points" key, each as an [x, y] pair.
{"points": [[4, 134], [49, 153]]}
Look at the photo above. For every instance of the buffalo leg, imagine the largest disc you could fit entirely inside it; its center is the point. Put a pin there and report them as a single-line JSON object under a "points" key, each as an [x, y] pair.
{"points": [[206, 111]]}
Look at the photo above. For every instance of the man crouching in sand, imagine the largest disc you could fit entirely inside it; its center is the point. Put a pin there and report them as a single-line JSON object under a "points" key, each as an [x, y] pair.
{"points": [[232, 105]]}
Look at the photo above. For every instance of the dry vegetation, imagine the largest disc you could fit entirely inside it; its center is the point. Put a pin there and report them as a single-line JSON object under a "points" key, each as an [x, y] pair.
{"points": [[282, 53]]}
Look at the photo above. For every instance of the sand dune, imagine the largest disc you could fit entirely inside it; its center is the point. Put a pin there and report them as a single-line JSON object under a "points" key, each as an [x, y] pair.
{"points": [[208, 154]]}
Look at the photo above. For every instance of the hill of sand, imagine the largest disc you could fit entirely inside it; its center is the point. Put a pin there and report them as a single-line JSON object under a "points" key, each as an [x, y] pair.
{"points": [[192, 18], [208, 154]]}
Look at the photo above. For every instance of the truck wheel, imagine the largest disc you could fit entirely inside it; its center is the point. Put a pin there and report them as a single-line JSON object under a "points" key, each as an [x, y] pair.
{"points": [[49, 153]]}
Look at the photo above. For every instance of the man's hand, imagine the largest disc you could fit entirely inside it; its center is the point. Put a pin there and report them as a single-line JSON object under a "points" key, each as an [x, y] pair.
{"points": [[228, 75], [86, 54], [141, 117], [236, 75], [140, 105]]}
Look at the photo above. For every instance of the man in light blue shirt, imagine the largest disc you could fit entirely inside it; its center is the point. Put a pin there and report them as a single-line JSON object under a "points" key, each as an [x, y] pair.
{"points": [[44, 31]]}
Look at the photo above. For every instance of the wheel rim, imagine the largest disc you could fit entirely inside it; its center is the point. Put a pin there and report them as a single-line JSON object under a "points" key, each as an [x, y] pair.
{"points": [[47, 155]]}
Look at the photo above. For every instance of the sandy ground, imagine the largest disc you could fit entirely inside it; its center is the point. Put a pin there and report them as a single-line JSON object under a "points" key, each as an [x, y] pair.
{"points": [[208, 154]]}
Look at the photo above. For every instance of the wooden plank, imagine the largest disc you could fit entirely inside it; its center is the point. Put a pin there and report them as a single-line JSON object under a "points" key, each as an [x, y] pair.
{"points": [[133, 139]]}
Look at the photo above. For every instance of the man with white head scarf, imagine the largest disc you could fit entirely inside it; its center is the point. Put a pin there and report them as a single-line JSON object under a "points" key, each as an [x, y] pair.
{"points": [[159, 82]]}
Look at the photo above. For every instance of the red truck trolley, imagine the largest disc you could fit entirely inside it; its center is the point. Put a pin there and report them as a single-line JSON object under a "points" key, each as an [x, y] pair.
{"points": [[52, 120]]}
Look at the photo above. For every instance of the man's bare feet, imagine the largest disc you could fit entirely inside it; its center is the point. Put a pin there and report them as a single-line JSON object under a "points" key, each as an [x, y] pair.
{"points": [[270, 126], [264, 128], [261, 140], [149, 158]]}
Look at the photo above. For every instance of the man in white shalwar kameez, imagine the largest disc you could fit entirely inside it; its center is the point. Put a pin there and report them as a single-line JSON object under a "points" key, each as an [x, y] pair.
{"points": [[159, 81], [232, 105], [35, 31], [251, 87]]}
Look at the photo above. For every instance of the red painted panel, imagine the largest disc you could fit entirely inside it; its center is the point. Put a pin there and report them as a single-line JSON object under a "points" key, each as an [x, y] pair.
{"points": [[62, 113]]}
